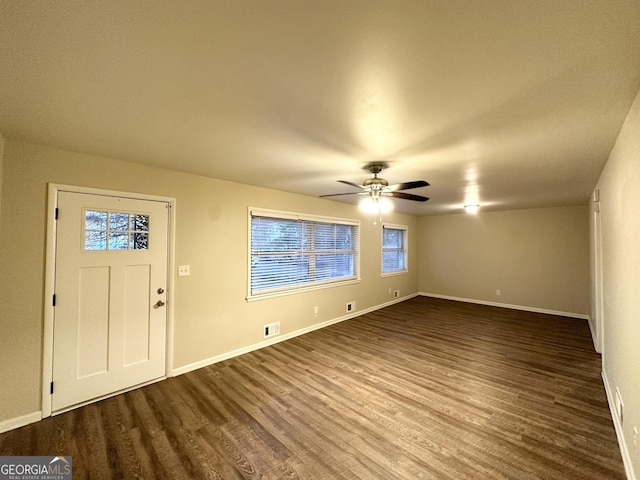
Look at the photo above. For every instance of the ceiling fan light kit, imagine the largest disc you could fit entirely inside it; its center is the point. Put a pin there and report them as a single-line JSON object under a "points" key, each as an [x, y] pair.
{"points": [[378, 190], [376, 205], [472, 208]]}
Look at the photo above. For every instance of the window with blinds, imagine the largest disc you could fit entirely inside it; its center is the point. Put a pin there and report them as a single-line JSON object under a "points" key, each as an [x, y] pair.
{"points": [[291, 252], [394, 249]]}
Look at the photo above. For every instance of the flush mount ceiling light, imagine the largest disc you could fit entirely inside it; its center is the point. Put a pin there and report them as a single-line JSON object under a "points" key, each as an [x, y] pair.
{"points": [[378, 189], [472, 208]]}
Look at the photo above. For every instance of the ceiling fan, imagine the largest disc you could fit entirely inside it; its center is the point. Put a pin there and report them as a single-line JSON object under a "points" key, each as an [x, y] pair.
{"points": [[377, 187]]}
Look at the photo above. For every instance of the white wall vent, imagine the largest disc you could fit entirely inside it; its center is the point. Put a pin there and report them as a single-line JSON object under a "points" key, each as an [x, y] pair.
{"points": [[271, 329]]}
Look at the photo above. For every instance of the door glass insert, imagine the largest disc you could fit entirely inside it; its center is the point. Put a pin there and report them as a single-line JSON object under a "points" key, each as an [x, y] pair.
{"points": [[115, 230]]}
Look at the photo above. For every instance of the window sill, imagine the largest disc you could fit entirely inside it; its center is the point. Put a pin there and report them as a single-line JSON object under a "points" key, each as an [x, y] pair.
{"points": [[265, 296], [394, 274]]}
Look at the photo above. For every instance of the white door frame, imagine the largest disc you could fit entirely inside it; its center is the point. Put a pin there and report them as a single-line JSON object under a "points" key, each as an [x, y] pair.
{"points": [[598, 280], [50, 275]]}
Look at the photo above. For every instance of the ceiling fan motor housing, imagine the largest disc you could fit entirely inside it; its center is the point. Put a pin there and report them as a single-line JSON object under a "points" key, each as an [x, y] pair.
{"points": [[375, 183]]}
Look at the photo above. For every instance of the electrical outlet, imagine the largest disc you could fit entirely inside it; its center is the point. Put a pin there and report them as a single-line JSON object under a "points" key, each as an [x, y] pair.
{"points": [[184, 270], [396, 294], [498, 293], [351, 306], [315, 310]]}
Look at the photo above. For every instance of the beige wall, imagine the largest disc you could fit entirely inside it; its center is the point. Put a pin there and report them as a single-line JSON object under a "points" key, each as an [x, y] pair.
{"points": [[537, 258], [212, 317], [619, 189], [1, 163]]}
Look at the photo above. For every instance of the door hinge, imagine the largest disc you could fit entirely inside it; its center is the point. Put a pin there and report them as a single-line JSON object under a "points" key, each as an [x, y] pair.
{"points": [[54, 299], [51, 389], [56, 214]]}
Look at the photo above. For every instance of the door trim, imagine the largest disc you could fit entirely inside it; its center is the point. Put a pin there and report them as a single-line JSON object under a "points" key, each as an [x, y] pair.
{"points": [[50, 275], [598, 279]]}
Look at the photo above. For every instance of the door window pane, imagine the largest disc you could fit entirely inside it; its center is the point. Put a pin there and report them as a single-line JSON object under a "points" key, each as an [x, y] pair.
{"points": [[140, 223], [118, 240], [119, 221], [139, 241], [95, 220], [95, 240]]}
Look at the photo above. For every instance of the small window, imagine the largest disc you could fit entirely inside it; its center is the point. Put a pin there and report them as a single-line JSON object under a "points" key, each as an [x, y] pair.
{"points": [[115, 231], [394, 249], [289, 252]]}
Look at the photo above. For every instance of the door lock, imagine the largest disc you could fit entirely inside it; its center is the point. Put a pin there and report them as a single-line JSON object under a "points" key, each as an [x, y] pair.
{"points": [[160, 291], [159, 304]]}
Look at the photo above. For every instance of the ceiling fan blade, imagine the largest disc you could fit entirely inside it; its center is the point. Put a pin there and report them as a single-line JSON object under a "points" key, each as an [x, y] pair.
{"points": [[338, 194], [409, 196], [352, 184], [407, 185]]}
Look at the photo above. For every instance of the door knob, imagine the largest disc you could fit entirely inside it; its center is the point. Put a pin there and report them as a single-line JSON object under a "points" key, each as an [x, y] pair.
{"points": [[159, 303], [160, 291]]}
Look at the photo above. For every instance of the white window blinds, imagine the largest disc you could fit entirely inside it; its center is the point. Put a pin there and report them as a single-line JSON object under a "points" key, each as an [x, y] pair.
{"points": [[290, 251], [394, 249]]}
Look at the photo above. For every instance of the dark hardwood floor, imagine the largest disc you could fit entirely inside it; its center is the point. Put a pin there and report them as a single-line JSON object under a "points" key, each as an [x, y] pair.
{"points": [[424, 389]]}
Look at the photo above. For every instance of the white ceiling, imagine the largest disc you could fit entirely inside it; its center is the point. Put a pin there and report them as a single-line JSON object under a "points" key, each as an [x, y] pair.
{"points": [[509, 103]]}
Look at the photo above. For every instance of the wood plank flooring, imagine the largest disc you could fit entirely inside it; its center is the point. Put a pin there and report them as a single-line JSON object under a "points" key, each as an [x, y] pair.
{"points": [[426, 388]]}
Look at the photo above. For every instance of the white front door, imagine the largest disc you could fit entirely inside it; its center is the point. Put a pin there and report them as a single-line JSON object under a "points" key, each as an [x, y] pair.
{"points": [[110, 320]]}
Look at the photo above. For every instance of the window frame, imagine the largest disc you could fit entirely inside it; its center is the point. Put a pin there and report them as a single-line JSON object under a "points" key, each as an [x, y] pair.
{"points": [[108, 229], [404, 249], [302, 287]]}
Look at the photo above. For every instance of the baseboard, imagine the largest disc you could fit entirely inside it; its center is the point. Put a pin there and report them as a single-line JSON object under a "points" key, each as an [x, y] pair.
{"points": [[594, 338], [281, 338], [624, 451], [18, 422], [506, 305]]}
